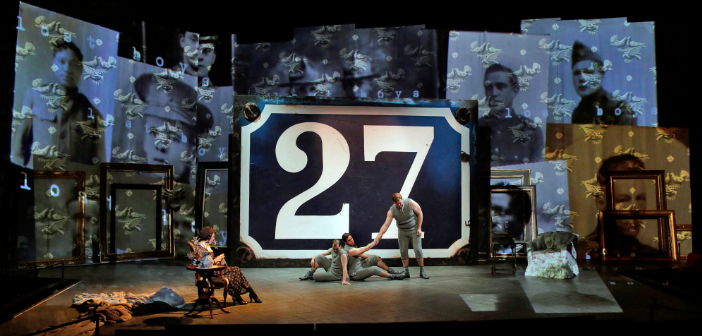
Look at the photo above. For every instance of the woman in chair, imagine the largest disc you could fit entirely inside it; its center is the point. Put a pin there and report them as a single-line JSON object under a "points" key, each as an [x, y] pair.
{"points": [[238, 284]]}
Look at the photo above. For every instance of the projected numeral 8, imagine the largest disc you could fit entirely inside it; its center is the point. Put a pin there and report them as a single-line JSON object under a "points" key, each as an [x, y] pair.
{"points": [[335, 161]]}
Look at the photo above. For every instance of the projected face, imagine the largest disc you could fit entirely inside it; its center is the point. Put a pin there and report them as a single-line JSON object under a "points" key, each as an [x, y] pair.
{"points": [[68, 68], [630, 192], [583, 73], [205, 59], [190, 40], [499, 90], [501, 213]]}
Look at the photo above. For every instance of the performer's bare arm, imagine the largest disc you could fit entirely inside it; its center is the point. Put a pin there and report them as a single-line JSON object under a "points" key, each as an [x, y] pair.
{"points": [[361, 250], [420, 216], [388, 220], [344, 261], [325, 253]]}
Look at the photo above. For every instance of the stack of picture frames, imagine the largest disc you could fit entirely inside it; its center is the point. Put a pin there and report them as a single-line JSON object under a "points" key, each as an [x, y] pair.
{"points": [[52, 233], [135, 215], [637, 224], [510, 208]]}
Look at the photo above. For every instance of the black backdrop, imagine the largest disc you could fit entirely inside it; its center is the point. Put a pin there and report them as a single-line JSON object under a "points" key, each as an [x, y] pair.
{"points": [[676, 35]]}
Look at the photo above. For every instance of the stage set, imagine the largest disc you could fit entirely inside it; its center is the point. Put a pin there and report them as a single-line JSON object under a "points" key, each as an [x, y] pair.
{"points": [[392, 178]]}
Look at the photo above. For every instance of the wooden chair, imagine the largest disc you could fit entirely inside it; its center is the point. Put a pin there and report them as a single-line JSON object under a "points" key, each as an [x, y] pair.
{"points": [[503, 238], [207, 282]]}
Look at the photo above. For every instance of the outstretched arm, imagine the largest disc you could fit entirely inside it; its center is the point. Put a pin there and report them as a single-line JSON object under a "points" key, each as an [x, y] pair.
{"points": [[420, 216], [361, 250], [388, 220], [344, 261]]}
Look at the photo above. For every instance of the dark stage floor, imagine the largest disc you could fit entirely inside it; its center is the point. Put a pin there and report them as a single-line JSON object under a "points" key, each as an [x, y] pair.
{"points": [[453, 293]]}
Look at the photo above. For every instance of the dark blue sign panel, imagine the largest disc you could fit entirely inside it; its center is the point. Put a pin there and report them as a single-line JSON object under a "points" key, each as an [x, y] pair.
{"points": [[312, 173]]}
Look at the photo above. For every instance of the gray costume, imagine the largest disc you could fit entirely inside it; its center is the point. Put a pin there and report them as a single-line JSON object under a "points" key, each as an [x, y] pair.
{"points": [[333, 268], [407, 229], [357, 269]]}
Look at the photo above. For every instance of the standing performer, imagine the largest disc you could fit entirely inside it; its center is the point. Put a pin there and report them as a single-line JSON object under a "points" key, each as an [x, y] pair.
{"points": [[335, 268], [408, 216]]}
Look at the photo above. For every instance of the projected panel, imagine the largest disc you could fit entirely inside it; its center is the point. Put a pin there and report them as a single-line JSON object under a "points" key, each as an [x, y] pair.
{"points": [[601, 71], [508, 77], [307, 181], [65, 73]]}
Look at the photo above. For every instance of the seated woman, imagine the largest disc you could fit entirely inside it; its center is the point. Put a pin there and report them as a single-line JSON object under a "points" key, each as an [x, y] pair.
{"points": [[238, 284]]}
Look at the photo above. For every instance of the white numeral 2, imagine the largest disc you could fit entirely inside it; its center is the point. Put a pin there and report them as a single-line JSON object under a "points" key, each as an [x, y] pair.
{"points": [[335, 160], [417, 139]]}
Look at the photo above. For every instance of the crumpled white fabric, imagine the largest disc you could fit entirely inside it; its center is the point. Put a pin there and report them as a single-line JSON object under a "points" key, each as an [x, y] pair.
{"points": [[165, 295]]}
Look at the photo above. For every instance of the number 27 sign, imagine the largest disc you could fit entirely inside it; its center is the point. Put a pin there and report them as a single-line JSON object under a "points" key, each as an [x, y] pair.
{"points": [[310, 173]]}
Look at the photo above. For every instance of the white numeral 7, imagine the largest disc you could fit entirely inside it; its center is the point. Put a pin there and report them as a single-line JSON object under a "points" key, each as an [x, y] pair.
{"points": [[417, 139]]}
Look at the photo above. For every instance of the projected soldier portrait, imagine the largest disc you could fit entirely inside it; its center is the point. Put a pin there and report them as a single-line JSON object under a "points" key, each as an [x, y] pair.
{"points": [[596, 105], [62, 124], [514, 138], [170, 123]]}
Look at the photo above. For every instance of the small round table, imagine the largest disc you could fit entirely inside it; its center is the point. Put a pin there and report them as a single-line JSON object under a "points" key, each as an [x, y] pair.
{"points": [[205, 288]]}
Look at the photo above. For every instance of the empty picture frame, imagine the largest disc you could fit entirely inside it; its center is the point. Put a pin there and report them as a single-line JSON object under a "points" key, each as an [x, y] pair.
{"points": [[108, 251], [59, 214], [683, 236], [636, 190], [212, 199], [138, 223], [641, 235], [513, 209]]}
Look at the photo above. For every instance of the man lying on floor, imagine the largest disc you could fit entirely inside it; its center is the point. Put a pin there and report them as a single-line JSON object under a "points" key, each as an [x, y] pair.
{"points": [[335, 269], [360, 271]]}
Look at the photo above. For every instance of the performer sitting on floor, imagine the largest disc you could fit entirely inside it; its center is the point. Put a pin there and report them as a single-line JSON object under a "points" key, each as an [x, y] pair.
{"points": [[408, 216], [356, 269], [335, 268], [238, 284]]}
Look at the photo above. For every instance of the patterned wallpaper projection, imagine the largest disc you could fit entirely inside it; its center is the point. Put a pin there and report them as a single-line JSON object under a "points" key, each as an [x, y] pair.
{"points": [[517, 135], [38, 133], [627, 50], [586, 147], [340, 61]]}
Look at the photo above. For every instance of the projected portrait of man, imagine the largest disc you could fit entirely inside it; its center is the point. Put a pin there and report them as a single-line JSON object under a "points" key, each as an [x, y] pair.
{"points": [[64, 125], [628, 195], [171, 128], [509, 211], [188, 42], [514, 138], [596, 105]]}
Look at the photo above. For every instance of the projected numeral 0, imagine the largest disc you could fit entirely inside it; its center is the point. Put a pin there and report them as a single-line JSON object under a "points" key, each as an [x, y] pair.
{"points": [[335, 161]]}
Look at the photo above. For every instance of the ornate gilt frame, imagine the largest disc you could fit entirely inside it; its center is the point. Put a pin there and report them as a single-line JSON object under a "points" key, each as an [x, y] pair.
{"points": [[107, 256], [79, 251], [658, 175], [530, 228], [524, 174], [668, 230]]}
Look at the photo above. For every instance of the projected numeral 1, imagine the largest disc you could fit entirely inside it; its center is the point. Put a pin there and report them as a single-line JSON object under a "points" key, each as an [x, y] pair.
{"points": [[91, 113], [19, 26], [25, 186], [508, 115]]}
